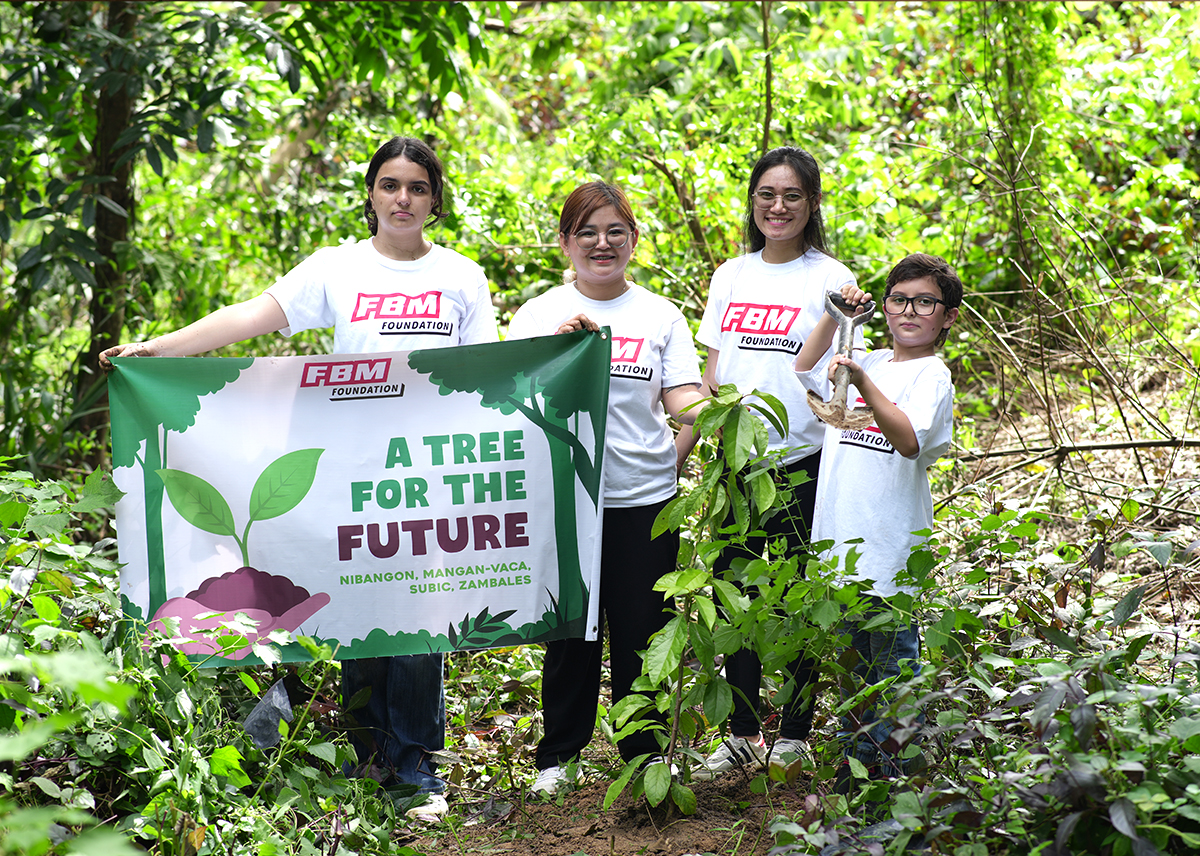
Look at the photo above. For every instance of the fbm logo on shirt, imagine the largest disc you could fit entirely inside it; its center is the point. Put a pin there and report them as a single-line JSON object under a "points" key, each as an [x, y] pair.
{"points": [[625, 353], [349, 371], [759, 318], [427, 305], [626, 350]]}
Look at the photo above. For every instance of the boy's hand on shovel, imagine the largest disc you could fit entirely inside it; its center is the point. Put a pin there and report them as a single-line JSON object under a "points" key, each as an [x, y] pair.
{"points": [[849, 310]]}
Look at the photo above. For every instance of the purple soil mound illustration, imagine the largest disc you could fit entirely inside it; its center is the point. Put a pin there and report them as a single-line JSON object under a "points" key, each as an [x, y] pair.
{"points": [[272, 602]]}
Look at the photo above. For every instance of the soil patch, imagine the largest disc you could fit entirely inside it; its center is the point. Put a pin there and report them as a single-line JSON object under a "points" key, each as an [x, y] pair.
{"points": [[729, 818]]}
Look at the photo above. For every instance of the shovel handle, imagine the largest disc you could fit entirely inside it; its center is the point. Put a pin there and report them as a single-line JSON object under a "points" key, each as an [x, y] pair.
{"points": [[837, 307]]}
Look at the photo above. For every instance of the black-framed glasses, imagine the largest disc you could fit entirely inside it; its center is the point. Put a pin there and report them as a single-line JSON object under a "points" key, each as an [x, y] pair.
{"points": [[588, 238], [922, 304], [766, 198]]}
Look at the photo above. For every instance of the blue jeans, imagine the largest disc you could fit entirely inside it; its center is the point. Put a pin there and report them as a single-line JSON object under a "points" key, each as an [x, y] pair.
{"points": [[880, 654], [404, 719]]}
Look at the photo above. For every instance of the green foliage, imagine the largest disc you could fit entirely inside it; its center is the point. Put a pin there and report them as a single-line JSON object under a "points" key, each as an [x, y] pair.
{"points": [[98, 721]]}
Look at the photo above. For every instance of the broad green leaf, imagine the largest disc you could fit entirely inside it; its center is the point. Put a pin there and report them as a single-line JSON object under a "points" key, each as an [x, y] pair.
{"points": [[46, 608], [1130, 509], [614, 790], [1160, 550], [1128, 605], [198, 502], [327, 752], [99, 491], [12, 513], [284, 483], [227, 761], [1059, 638], [825, 613], [683, 797], [738, 440], [762, 489], [662, 658], [47, 787], [658, 783], [718, 701]]}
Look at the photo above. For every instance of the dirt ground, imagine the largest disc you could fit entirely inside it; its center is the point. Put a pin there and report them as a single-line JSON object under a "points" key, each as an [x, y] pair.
{"points": [[729, 818]]}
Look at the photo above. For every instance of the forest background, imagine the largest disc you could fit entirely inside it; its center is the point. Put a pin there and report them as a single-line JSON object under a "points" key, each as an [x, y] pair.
{"points": [[162, 159]]}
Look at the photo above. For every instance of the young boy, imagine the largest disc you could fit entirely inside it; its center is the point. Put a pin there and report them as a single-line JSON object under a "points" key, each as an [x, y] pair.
{"points": [[873, 485]]}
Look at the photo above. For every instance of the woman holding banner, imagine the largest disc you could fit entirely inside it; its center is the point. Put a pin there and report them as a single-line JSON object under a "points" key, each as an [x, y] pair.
{"points": [[361, 290], [654, 370]]}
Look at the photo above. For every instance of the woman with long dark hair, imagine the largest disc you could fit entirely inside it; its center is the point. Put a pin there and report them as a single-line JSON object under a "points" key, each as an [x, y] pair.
{"points": [[403, 721], [761, 307]]}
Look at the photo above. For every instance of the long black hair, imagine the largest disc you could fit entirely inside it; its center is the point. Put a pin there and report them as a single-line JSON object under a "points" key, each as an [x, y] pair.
{"points": [[417, 152], [806, 169]]}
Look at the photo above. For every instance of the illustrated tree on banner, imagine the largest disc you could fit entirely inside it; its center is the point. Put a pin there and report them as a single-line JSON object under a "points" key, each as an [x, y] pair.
{"points": [[160, 403], [552, 400]]}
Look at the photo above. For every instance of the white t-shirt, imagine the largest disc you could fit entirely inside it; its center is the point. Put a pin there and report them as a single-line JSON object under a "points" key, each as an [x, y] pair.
{"points": [[866, 489], [652, 350], [379, 304], [758, 316]]}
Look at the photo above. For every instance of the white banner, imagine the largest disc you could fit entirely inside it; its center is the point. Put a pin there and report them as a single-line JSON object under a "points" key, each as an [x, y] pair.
{"points": [[381, 503]]}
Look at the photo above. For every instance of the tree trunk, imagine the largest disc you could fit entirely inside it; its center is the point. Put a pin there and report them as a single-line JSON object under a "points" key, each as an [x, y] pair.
{"points": [[114, 112]]}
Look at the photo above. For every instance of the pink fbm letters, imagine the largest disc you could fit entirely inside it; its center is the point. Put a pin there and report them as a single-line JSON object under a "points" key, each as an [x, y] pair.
{"points": [[759, 318], [347, 371], [427, 305], [626, 350]]}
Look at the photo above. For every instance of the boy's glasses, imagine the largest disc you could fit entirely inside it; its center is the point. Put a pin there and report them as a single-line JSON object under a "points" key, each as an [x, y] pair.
{"points": [[922, 304], [766, 199], [588, 238]]}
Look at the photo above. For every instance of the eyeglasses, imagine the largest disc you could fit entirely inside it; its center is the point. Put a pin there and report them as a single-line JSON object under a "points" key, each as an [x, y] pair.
{"points": [[766, 199], [588, 238], [922, 304]]}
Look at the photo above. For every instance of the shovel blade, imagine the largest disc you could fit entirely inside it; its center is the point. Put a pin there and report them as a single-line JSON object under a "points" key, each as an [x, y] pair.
{"points": [[832, 413]]}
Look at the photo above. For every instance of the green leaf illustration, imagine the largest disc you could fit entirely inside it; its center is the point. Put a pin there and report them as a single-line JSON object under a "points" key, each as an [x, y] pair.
{"points": [[284, 483], [198, 502]]}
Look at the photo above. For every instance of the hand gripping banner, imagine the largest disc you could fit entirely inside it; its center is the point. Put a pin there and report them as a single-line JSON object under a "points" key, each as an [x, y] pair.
{"points": [[392, 503]]}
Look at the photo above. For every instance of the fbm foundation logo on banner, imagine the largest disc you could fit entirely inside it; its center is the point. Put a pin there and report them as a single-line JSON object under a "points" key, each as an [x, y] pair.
{"points": [[352, 379]]}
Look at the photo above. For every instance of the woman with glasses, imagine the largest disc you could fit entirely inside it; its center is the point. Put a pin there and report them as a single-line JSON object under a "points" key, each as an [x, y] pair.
{"points": [[654, 370], [761, 307]]}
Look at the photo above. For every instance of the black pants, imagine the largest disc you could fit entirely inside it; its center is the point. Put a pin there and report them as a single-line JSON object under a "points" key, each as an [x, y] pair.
{"points": [[630, 565], [743, 669]]}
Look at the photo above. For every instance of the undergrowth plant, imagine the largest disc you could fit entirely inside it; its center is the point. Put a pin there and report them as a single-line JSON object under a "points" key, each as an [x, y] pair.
{"points": [[112, 742], [781, 606], [1056, 723]]}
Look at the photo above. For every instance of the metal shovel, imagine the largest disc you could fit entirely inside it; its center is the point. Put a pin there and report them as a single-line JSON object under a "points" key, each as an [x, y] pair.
{"points": [[834, 412]]}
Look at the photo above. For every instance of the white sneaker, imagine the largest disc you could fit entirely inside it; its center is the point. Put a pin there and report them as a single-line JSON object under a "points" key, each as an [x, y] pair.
{"points": [[786, 752], [433, 809], [554, 780], [733, 752], [659, 759]]}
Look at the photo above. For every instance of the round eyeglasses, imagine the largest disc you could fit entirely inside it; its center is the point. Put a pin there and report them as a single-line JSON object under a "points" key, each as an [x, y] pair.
{"points": [[766, 198], [922, 304], [588, 238]]}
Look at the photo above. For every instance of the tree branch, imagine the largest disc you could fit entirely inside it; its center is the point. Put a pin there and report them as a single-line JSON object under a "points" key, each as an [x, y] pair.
{"points": [[1037, 453]]}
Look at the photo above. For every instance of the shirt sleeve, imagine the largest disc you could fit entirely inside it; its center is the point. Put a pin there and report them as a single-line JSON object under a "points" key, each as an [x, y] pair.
{"points": [[929, 405], [300, 293], [479, 320], [524, 324], [680, 364], [709, 333]]}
